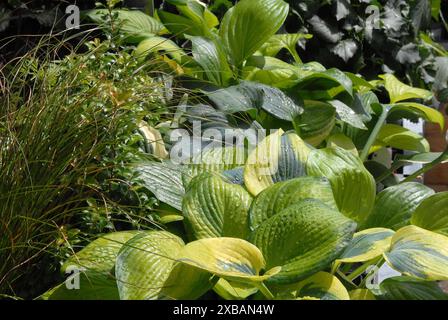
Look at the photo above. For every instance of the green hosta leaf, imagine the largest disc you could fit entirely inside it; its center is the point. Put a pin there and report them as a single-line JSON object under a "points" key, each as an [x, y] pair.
{"points": [[316, 123], [347, 115], [156, 44], [419, 110], [251, 95], [146, 266], [325, 80], [398, 91], [353, 186], [281, 195], [134, 24], [419, 253], [367, 245], [361, 294], [303, 239], [249, 24], [229, 258], [408, 288], [421, 158], [277, 158], [214, 208], [395, 205], [287, 41], [432, 213], [164, 180], [212, 58], [323, 286], [233, 290], [395, 136], [182, 26]]}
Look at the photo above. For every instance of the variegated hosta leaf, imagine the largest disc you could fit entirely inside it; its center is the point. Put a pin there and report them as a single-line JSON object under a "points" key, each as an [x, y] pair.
{"points": [[145, 263], [323, 286], [278, 157], [399, 91], [361, 294], [303, 239], [342, 141], [395, 205], [164, 180], [432, 213], [419, 253], [281, 195], [95, 266], [217, 159], [215, 208], [353, 186], [229, 258], [234, 290], [408, 288], [367, 245], [316, 122], [153, 141]]}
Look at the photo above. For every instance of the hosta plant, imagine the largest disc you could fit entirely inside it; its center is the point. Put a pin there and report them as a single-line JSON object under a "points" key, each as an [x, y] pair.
{"points": [[294, 223]]}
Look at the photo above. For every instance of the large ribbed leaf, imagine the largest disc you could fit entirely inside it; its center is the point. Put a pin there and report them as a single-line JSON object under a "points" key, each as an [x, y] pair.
{"points": [[411, 110], [229, 258], [94, 265], [367, 245], [353, 186], [395, 205], [395, 136], [164, 180], [408, 288], [317, 122], [323, 286], [281, 195], [145, 263], [419, 253], [432, 213], [215, 208], [249, 24], [361, 294], [303, 239], [277, 158], [233, 290], [326, 80]]}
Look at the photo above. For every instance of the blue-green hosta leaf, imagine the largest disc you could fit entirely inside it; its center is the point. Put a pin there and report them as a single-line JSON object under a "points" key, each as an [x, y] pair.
{"points": [[353, 186], [323, 286], [395, 205], [215, 208], [412, 109], [212, 58], [156, 44], [164, 180], [281, 195], [278, 157], [347, 115], [419, 253], [134, 24], [146, 268], [249, 24], [395, 136], [233, 290], [367, 245], [432, 213], [251, 95], [398, 91], [303, 239], [361, 294], [408, 288], [316, 122]]}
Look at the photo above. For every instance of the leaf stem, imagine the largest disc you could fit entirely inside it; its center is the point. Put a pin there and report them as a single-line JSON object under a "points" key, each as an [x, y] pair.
{"points": [[265, 291], [374, 134]]}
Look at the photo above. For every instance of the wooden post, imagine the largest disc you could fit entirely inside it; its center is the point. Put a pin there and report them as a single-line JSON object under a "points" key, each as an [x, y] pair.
{"points": [[437, 178]]}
